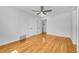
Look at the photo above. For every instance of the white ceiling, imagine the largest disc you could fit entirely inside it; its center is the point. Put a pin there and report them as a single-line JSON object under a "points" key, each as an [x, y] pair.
{"points": [[56, 9]]}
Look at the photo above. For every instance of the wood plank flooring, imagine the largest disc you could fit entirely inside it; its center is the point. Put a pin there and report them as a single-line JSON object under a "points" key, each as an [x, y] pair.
{"points": [[41, 43]]}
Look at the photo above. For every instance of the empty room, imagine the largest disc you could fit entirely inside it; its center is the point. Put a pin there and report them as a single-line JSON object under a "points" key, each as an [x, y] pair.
{"points": [[38, 29]]}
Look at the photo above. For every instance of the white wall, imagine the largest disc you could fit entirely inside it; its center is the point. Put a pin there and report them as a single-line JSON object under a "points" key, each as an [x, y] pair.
{"points": [[60, 24], [15, 23]]}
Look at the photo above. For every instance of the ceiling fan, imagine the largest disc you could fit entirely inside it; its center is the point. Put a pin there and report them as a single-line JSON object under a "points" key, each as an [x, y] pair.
{"points": [[42, 10]]}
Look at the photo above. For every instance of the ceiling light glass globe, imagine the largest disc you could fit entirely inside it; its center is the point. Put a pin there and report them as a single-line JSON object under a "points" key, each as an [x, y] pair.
{"points": [[42, 15]]}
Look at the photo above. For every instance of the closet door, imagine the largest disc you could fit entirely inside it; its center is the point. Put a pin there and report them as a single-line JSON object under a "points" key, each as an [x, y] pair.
{"points": [[78, 29], [74, 26]]}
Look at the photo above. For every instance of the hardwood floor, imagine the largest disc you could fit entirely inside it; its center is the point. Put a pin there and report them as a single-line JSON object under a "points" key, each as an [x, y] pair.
{"points": [[41, 43]]}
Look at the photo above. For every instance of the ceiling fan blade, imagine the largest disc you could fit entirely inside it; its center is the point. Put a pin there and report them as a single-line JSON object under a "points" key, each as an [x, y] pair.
{"points": [[44, 13], [38, 13], [42, 7], [47, 10], [35, 10]]}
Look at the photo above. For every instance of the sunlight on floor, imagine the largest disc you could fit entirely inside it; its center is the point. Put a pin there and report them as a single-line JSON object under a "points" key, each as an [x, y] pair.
{"points": [[44, 40], [15, 51]]}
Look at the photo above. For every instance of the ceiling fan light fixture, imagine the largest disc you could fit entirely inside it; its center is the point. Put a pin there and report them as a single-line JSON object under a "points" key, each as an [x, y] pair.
{"points": [[42, 12]]}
